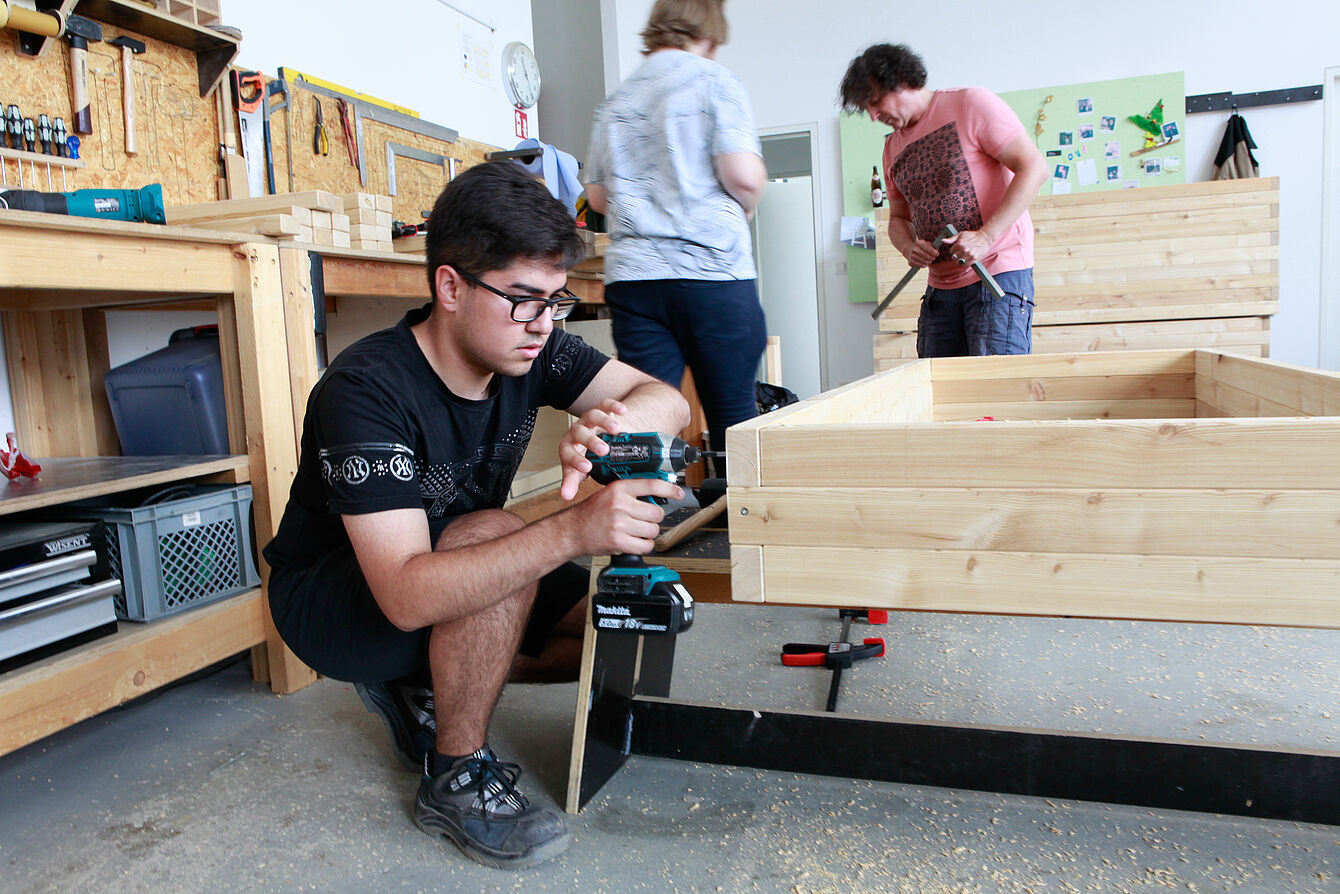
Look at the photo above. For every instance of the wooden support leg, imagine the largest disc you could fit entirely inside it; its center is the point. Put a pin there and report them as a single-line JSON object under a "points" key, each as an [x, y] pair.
{"points": [[615, 668]]}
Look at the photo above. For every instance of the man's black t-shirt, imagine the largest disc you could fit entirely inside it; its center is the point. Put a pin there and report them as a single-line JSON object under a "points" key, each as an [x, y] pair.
{"points": [[382, 432]]}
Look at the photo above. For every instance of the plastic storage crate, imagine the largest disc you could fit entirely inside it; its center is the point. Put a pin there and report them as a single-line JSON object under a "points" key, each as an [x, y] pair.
{"points": [[179, 548], [170, 402]]}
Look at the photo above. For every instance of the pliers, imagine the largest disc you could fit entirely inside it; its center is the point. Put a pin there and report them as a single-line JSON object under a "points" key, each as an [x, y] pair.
{"points": [[347, 126], [320, 140]]}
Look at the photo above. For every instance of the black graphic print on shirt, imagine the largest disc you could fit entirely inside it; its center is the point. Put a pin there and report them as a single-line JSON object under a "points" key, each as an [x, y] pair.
{"points": [[933, 176]]}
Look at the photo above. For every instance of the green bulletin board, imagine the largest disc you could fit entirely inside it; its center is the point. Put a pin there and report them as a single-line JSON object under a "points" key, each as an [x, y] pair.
{"points": [[1086, 133], [1098, 154]]}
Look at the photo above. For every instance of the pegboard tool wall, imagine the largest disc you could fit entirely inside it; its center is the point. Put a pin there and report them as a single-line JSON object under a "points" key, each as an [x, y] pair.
{"points": [[176, 130], [417, 182]]}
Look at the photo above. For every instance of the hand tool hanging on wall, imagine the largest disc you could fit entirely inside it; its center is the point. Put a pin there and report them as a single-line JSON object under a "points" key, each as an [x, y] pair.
{"points": [[59, 135], [248, 95], [44, 133], [129, 50], [145, 204], [320, 139], [14, 122], [79, 31], [347, 128]]}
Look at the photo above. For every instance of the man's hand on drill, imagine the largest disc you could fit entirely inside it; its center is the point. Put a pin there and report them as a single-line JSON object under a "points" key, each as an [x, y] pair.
{"points": [[616, 521], [584, 435]]}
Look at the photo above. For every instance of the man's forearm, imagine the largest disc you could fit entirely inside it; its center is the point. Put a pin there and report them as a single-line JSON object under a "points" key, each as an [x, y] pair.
{"points": [[441, 586], [654, 406]]}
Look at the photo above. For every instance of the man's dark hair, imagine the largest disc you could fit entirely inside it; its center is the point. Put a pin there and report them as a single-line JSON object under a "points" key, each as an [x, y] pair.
{"points": [[882, 69], [494, 213]]}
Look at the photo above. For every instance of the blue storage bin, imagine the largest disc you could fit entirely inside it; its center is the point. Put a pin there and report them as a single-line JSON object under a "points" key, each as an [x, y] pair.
{"points": [[170, 402]]}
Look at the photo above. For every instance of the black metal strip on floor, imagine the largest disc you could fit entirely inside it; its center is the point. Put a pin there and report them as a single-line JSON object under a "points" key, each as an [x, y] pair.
{"points": [[1236, 780]]}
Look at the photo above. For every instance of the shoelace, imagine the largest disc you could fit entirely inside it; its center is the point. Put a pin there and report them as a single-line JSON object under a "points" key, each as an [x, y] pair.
{"points": [[494, 782]]}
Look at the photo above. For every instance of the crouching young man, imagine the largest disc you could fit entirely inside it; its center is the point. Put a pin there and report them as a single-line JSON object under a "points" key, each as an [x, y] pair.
{"points": [[395, 566]]}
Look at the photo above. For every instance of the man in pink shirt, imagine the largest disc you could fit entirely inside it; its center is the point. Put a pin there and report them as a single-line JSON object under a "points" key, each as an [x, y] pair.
{"points": [[961, 157]]}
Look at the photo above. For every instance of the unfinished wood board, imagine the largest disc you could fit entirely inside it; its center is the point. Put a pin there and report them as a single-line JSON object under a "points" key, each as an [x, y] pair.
{"points": [[1200, 251], [1184, 514]]}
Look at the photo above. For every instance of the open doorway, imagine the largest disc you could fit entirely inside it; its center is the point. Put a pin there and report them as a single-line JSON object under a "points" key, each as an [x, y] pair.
{"points": [[787, 251]]}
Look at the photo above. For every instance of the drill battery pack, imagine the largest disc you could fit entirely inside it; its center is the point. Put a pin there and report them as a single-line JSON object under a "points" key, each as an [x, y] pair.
{"points": [[639, 598]]}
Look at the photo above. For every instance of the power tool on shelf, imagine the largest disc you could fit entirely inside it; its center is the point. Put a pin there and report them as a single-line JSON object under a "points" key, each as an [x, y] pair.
{"points": [[632, 595], [145, 204]]}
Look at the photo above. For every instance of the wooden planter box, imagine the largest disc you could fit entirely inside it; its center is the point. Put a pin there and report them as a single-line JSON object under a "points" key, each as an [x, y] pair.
{"points": [[1181, 485], [1187, 266]]}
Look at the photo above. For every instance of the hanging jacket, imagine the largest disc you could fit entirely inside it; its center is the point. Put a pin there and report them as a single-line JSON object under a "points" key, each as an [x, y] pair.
{"points": [[1234, 159]]}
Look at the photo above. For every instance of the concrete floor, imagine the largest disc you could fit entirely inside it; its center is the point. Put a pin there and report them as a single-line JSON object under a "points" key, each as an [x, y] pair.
{"points": [[218, 785]]}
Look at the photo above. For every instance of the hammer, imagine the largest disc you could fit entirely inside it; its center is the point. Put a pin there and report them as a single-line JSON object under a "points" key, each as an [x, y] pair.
{"points": [[79, 31], [130, 48]]}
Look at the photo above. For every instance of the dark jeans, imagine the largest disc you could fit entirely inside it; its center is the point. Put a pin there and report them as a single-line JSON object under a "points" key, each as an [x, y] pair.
{"points": [[970, 321], [716, 327]]}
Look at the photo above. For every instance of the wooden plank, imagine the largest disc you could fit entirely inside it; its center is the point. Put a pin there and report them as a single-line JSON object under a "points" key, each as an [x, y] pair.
{"points": [[1104, 231], [1308, 392], [1189, 191], [1271, 524], [271, 445], [746, 569], [1212, 589], [74, 260], [66, 479], [1152, 205], [1045, 251], [1039, 389], [316, 199], [383, 277], [1079, 410], [1227, 453], [41, 699], [295, 273], [1098, 313], [56, 414], [269, 225], [1097, 365]]}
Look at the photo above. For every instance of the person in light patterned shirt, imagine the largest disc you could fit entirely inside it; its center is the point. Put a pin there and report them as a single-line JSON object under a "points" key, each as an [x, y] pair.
{"points": [[395, 566], [677, 169]]}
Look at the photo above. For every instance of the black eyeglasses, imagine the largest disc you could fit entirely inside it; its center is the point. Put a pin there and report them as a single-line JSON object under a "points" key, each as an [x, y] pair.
{"points": [[526, 308]]}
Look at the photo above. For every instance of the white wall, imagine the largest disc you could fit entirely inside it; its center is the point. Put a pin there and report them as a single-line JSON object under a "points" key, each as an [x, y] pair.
{"points": [[791, 55], [409, 52]]}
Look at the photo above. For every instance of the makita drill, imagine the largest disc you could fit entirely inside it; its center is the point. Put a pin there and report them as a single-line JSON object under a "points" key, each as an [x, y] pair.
{"points": [[630, 594]]}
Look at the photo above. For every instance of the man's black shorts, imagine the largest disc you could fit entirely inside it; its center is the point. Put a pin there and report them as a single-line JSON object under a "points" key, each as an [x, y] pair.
{"points": [[328, 617]]}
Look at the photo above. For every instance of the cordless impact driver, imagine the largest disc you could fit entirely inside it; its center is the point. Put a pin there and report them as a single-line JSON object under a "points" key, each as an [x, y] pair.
{"points": [[632, 595]]}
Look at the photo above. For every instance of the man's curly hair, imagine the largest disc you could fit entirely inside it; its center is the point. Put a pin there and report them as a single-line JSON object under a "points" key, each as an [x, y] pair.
{"points": [[674, 24], [880, 70]]}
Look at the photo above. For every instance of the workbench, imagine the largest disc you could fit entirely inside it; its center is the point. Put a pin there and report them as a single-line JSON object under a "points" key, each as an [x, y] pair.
{"points": [[57, 277]]}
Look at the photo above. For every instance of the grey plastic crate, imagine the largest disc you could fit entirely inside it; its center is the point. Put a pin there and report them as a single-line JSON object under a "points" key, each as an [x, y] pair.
{"points": [[189, 546]]}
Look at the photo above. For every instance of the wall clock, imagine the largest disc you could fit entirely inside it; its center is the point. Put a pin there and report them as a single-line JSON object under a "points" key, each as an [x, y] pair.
{"points": [[521, 75]]}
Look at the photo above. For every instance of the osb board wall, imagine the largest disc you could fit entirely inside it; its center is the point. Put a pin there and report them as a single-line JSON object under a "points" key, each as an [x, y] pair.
{"points": [[417, 183], [176, 130]]}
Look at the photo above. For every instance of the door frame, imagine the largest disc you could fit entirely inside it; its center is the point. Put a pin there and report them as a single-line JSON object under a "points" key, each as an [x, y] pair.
{"points": [[1328, 323], [811, 130]]}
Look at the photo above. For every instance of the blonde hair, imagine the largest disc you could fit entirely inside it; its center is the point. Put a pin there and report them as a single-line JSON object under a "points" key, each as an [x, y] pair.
{"points": [[674, 24]]}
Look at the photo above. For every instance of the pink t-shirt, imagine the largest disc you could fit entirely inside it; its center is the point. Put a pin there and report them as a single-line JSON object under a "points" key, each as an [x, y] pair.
{"points": [[944, 167]]}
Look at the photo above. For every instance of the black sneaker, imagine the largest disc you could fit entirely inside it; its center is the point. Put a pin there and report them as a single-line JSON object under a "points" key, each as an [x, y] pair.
{"points": [[476, 804], [407, 712]]}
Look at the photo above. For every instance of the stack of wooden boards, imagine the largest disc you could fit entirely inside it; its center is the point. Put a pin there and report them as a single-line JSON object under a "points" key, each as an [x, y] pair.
{"points": [[1186, 266], [355, 220]]}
